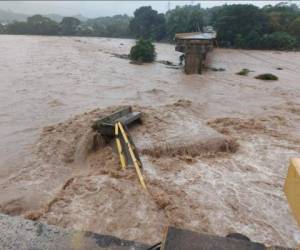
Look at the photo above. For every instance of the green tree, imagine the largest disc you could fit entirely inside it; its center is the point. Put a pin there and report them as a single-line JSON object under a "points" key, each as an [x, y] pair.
{"points": [[188, 18], [143, 51], [281, 15], [118, 26], [115, 26], [69, 26], [1, 28], [239, 41], [252, 40], [39, 25], [18, 28], [279, 41], [85, 30], [239, 19], [209, 14], [148, 24], [294, 29]]}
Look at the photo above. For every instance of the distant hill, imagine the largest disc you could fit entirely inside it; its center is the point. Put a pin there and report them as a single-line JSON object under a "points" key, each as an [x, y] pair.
{"points": [[54, 17], [8, 16], [81, 18], [58, 18]]}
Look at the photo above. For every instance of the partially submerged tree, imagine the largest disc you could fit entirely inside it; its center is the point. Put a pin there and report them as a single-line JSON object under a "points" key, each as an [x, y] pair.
{"points": [[243, 72], [143, 51], [267, 77]]}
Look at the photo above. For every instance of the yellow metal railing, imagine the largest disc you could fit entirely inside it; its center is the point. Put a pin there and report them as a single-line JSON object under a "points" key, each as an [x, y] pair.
{"points": [[119, 127], [119, 148]]}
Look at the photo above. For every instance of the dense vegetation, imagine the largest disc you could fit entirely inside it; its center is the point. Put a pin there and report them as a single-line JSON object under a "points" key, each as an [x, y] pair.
{"points": [[237, 25], [116, 26], [148, 24], [142, 51]]}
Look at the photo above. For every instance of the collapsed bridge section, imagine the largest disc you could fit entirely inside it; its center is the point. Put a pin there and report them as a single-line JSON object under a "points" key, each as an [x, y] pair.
{"points": [[195, 47]]}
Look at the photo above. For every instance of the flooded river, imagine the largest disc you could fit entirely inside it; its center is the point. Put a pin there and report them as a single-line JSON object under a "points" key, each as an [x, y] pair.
{"points": [[47, 80]]}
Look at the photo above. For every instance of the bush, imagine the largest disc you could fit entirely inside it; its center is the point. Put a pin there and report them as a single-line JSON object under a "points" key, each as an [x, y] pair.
{"points": [[243, 72], [143, 51], [267, 76]]}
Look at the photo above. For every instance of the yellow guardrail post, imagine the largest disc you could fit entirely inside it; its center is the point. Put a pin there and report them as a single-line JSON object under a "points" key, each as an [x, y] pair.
{"points": [[135, 161], [119, 147], [292, 187]]}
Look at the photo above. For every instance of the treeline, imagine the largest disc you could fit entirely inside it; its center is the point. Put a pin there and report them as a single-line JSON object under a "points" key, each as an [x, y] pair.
{"points": [[116, 26], [237, 25]]}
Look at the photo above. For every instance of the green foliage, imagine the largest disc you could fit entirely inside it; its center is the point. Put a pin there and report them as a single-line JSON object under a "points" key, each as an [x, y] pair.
{"points": [[115, 26], [69, 26], [84, 30], [278, 41], [143, 51], [243, 72], [247, 26], [238, 25], [39, 25], [281, 15], [18, 28], [147, 24], [35, 25], [235, 22], [239, 41], [294, 28], [268, 77], [189, 18], [2, 29], [252, 40]]}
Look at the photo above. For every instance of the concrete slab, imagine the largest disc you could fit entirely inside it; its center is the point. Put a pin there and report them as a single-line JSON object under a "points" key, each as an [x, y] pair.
{"points": [[179, 239], [17, 233]]}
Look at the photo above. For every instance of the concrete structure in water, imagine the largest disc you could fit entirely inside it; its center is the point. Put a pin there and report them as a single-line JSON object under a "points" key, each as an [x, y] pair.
{"points": [[195, 47]]}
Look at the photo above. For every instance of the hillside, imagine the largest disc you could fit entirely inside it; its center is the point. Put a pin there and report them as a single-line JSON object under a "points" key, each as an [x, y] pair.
{"points": [[9, 16]]}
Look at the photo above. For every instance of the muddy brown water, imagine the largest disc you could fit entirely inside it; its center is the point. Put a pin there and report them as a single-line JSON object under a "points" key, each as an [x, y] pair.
{"points": [[47, 80]]}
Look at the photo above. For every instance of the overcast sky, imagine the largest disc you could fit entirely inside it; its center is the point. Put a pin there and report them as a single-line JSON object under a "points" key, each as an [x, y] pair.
{"points": [[105, 8]]}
